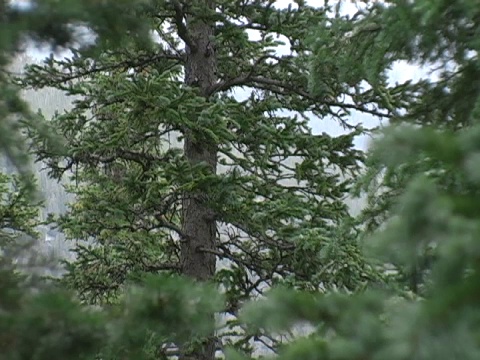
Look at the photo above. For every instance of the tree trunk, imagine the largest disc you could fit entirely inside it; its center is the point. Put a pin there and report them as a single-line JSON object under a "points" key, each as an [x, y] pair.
{"points": [[198, 224]]}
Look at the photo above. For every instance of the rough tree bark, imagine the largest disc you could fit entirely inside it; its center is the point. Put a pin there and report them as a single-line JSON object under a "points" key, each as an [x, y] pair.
{"points": [[198, 225]]}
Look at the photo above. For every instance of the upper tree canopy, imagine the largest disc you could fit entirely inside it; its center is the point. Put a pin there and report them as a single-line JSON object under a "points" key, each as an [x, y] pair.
{"points": [[439, 36]]}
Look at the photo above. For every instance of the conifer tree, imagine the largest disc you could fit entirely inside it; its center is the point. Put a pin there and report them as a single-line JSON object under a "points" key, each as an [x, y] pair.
{"points": [[432, 181], [175, 174]]}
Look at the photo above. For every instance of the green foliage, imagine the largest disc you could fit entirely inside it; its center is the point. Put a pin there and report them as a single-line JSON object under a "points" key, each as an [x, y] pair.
{"points": [[17, 212], [53, 325], [18, 218], [50, 326], [447, 101], [52, 23], [278, 195], [429, 218], [436, 34], [164, 310], [423, 217]]}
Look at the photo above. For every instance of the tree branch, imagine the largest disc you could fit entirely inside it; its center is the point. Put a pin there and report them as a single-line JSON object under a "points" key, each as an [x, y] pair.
{"points": [[183, 32], [282, 88], [168, 225], [139, 62], [240, 80]]}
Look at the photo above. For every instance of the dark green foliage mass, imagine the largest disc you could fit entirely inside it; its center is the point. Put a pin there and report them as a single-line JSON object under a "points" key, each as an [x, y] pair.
{"points": [[56, 24], [433, 235], [52, 324], [423, 215], [277, 197], [18, 218], [139, 143]]}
